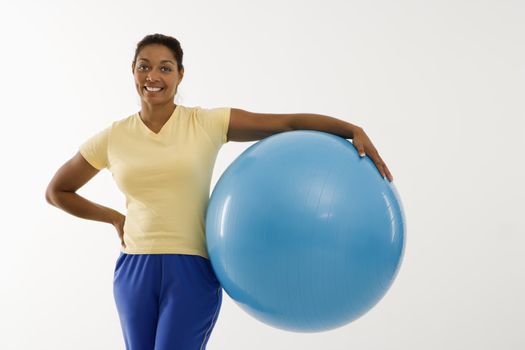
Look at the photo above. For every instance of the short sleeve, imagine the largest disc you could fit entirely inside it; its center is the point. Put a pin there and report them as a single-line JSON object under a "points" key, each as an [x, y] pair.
{"points": [[215, 122], [95, 149]]}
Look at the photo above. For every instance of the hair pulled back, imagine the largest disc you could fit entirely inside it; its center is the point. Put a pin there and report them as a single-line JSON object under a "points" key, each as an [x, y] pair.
{"points": [[168, 41]]}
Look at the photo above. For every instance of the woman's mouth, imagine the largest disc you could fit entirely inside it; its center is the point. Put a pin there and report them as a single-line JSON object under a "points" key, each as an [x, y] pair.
{"points": [[152, 89]]}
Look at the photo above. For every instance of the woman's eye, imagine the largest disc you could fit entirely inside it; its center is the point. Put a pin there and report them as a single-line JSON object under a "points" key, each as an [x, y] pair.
{"points": [[143, 67]]}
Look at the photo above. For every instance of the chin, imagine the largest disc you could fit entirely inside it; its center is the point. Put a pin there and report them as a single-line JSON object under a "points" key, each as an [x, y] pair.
{"points": [[155, 101]]}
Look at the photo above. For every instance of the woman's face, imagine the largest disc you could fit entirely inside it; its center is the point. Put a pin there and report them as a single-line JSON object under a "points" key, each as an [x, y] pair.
{"points": [[155, 68]]}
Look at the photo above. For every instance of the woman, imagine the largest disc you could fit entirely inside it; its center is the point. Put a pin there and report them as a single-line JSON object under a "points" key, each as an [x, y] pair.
{"points": [[162, 158]]}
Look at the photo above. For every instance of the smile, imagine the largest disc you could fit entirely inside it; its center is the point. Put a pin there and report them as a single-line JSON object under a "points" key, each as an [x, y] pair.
{"points": [[152, 89]]}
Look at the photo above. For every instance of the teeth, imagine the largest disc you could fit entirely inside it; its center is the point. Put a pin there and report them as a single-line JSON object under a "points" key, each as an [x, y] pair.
{"points": [[152, 89]]}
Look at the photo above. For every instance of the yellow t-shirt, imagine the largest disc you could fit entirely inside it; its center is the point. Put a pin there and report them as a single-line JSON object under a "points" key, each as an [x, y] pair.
{"points": [[165, 177]]}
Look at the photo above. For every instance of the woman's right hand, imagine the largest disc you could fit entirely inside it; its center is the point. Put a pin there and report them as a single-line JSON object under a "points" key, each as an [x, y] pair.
{"points": [[118, 221]]}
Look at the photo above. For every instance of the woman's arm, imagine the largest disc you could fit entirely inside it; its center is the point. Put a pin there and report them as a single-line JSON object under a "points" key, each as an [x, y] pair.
{"points": [[249, 126], [61, 193]]}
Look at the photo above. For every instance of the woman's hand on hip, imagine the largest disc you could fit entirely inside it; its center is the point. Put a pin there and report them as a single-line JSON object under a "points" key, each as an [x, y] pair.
{"points": [[118, 221]]}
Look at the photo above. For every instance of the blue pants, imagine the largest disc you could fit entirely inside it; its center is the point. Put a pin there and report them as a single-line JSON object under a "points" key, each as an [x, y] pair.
{"points": [[166, 301]]}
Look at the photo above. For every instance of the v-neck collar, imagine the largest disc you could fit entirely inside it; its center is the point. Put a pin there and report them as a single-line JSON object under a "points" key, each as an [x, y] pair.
{"points": [[164, 127]]}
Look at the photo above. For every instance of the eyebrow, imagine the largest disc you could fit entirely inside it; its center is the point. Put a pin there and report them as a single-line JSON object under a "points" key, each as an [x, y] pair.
{"points": [[145, 59]]}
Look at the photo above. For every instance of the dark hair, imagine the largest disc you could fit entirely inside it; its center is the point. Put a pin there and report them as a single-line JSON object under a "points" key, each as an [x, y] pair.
{"points": [[168, 41]]}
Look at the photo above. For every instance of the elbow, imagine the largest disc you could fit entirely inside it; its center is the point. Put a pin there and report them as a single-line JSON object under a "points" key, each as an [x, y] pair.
{"points": [[50, 196]]}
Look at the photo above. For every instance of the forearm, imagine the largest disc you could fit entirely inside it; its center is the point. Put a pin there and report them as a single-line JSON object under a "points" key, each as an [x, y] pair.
{"points": [[77, 205], [323, 123]]}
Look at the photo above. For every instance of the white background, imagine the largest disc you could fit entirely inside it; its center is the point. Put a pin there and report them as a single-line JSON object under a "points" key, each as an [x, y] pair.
{"points": [[438, 86]]}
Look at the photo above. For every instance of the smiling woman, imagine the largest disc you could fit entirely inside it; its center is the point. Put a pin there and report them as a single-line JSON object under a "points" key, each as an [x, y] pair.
{"points": [[162, 159], [157, 75]]}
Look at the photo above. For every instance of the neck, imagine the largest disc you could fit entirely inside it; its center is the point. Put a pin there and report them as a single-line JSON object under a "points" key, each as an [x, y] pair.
{"points": [[156, 114]]}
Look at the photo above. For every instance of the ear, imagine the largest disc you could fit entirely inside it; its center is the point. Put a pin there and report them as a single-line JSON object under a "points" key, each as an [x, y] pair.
{"points": [[132, 67]]}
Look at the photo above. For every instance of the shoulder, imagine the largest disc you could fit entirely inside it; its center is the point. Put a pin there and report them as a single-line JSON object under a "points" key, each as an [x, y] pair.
{"points": [[125, 120]]}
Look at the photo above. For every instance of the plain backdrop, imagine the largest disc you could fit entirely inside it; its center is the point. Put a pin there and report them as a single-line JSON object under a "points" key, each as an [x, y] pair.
{"points": [[438, 86]]}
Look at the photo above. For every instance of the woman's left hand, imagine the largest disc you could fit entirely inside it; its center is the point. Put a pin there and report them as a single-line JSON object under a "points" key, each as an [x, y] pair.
{"points": [[365, 147]]}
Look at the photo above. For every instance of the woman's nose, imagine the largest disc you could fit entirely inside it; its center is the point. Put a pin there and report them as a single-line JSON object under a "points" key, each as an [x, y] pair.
{"points": [[151, 76]]}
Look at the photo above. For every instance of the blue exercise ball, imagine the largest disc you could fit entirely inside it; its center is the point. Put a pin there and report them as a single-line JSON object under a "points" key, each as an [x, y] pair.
{"points": [[303, 233]]}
